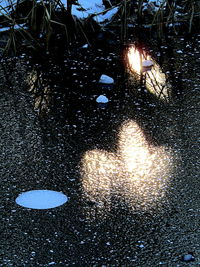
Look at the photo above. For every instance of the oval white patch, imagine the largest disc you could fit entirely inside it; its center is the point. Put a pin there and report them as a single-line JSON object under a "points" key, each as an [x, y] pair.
{"points": [[41, 199]]}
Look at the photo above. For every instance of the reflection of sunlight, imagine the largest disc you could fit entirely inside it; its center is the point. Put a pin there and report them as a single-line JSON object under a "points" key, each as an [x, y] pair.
{"points": [[41, 94], [138, 172], [145, 167], [98, 168], [135, 59], [134, 151], [154, 79]]}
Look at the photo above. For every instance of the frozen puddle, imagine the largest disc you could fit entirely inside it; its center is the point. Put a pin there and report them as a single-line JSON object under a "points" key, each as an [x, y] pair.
{"points": [[41, 199]]}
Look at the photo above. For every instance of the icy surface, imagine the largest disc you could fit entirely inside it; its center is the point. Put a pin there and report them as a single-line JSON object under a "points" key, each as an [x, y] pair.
{"points": [[106, 79], [127, 172], [41, 199]]}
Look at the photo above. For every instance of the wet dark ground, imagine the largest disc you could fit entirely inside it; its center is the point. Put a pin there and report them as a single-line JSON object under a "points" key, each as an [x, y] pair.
{"points": [[104, 223]]}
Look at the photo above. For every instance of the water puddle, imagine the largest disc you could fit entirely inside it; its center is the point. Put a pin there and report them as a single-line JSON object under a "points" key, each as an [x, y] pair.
{"points": [[41, 199]]}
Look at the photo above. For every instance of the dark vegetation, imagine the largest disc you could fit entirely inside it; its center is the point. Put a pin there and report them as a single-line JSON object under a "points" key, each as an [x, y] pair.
{"points": [[48, 25], [51, 39]]}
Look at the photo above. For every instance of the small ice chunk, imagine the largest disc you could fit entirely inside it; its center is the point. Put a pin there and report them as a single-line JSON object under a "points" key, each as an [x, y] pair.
{"points": [[179, 51], [102, 99], [85, 46], [41, 199], [106, 79], [147, 65]]}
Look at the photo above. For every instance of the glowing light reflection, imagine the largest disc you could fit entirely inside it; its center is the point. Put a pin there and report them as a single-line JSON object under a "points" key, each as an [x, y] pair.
{"points": [[98, 166], [137, 171], [154, 79], [135, 59]]}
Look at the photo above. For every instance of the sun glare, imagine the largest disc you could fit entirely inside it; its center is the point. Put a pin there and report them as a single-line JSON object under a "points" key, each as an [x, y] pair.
{"points": [[135, 59]]}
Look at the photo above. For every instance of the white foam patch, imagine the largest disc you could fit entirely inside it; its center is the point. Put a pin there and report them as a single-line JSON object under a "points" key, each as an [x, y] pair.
{"points": [[41, 199]]}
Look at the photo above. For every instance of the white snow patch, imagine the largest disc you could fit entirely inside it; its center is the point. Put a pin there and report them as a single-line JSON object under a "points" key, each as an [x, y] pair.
{"points": [[4, 4], [84, 9], [15, 27], [154, 5], [106, 79], [147, 63], [88, 7], [102, 99], [157, 2], [41, 199], [102, 18], [85, 46]]}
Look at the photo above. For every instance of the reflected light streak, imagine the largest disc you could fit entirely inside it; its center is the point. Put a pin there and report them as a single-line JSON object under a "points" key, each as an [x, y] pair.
{"points": [[135, 59], [41, 100], [138, 172], [154, 79], [98, 166], [133, 148]]}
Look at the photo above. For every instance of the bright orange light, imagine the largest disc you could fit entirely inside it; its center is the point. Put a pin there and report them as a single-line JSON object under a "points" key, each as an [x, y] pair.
{"points": [[135, 59], [154, 78]]}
